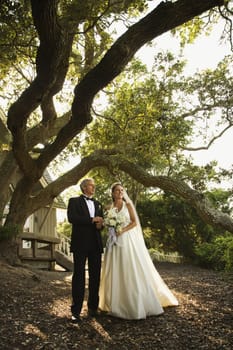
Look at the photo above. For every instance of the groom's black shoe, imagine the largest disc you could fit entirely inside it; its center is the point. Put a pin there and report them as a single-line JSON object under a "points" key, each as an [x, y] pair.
{"points": [[76, 318], [93, 313]]}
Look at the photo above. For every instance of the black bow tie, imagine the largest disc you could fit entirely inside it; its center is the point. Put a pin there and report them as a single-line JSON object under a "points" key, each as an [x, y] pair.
{"points": [[88, 198]]}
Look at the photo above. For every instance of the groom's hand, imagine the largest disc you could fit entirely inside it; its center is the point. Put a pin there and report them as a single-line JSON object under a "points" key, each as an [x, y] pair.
{"points": [[98, 221]]}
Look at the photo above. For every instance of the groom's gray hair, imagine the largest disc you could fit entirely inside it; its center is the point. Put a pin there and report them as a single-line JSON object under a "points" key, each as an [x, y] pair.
{"points": [[84, 183]]}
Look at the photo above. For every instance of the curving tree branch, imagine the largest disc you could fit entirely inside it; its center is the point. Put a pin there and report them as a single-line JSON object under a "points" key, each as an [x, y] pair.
{"points": [[210, 142], [115, 60], [112, 160]]}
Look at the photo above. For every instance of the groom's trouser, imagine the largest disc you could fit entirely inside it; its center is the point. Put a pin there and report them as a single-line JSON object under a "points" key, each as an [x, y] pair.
{"points": [[78, 280]]}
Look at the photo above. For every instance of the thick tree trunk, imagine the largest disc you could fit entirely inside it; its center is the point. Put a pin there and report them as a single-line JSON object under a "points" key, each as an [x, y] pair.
{"points": [[52, 64], [8, 171], [9, 251], [21, 203], [9, 247], [18, 212]]}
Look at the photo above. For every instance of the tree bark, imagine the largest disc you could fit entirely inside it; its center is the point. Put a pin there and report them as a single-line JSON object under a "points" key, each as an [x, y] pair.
{"points": [[165, 17], [8, 251], [105, 159], [52, 64], [9, 167]]}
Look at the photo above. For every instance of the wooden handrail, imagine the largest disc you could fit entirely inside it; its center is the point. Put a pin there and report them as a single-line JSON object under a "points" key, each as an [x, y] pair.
{"points": [[41, 238]]}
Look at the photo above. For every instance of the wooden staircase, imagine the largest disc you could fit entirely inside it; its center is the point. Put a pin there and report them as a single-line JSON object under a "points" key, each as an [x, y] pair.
{"points": [[44, 252], [62, 253]]}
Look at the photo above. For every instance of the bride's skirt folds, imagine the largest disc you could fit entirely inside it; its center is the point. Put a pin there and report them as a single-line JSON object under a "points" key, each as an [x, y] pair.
{"points": [[131, 287]]}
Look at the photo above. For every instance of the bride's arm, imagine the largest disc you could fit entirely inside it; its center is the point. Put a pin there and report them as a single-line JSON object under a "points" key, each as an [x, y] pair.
{"points": [[132, 220]]}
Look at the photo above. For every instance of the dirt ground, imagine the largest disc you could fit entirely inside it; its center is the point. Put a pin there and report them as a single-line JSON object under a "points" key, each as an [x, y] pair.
{"points": [[35, 314]]}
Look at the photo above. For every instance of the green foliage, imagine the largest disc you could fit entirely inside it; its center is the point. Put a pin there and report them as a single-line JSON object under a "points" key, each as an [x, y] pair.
{"points": [[191, 30], [141, 120], [151, 239], [217, 254], [98, 20], [172, 225], [64, 228], [151, 117], [200, 176], [17, 34], [220, 199]]}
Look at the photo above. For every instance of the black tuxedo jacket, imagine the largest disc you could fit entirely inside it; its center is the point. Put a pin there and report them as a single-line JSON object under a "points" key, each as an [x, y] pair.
{"points": [[85, 236]]}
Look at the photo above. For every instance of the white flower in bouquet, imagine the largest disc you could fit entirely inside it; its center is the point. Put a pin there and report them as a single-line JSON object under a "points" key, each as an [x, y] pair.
{"points": [[114, 220]]}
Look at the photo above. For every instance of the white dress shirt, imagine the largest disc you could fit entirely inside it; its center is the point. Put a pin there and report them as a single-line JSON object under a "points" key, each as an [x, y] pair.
{"points": [[91, 207]]}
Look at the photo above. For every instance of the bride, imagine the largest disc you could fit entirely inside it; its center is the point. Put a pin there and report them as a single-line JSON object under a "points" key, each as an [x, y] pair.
{"points": [[131, 287]]}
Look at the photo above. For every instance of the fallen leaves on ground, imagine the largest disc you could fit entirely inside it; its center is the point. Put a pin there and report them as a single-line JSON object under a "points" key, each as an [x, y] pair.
{"points": [[35, 314]]}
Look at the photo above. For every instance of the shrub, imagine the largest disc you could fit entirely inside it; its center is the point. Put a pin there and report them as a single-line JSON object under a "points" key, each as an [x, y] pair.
{"points": [[217, 255]]}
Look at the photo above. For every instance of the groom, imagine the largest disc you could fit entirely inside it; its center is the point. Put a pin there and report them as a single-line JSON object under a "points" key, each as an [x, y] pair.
{"points": [[86, 216]]}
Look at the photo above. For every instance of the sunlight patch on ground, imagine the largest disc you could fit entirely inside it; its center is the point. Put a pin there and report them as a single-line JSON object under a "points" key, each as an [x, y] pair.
{"points": [[98, 327], [31, 329]]}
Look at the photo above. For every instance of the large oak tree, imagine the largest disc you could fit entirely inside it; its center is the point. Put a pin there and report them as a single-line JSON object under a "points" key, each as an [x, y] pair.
{"points": [[56, 29]]}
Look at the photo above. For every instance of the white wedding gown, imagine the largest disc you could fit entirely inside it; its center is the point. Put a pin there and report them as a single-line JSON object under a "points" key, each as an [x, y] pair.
{"points": [[131, 287]]}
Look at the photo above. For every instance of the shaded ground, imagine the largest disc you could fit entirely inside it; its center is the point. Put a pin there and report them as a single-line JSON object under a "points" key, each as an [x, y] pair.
{"points": [[35, 314]]}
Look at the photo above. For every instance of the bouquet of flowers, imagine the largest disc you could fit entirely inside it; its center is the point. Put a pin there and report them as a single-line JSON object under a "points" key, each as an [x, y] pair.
{"points": [[114, 220]]}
